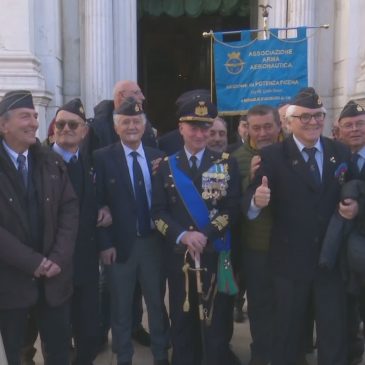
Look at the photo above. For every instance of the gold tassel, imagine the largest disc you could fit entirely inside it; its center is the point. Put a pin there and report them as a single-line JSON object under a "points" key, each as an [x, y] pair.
{"points": [[185, 269]]}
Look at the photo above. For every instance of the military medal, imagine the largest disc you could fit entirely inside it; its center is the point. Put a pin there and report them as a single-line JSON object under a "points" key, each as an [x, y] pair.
{"points": [[215, 182]]}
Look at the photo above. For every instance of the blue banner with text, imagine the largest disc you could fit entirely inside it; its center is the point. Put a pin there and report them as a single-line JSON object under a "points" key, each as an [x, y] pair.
{"points": [[254, 71]]}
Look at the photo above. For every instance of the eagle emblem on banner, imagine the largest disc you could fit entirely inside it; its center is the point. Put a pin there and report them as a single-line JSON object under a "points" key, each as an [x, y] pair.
{"points": [[234, 64]]}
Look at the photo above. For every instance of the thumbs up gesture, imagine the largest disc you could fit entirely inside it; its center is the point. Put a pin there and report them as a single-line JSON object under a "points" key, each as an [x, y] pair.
{"points": [[262, 194]]}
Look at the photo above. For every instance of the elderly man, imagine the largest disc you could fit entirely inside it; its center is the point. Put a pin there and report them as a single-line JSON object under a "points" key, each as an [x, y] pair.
{"points": [[217, 139], [38, 226], [70, 130], [131, 249], [102, 127], [300, 179], [102, 124], [263, 130], [195, 199]]}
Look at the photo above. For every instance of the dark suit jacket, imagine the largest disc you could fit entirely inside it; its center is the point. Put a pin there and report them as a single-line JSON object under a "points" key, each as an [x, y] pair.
{"points": [[171, 142], [168, 209], [301, 211], [114, 189], [86, 256]]}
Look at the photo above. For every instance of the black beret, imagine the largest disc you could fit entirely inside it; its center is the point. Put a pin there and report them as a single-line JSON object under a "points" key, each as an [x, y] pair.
{"points": [[199, 110], [352, 109], [16, 99], [130, 106], [307, 98], [74, 106]]}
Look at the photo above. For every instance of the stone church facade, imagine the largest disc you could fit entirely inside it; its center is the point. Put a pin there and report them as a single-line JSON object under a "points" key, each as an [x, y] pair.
{"points": [[61, 49]]}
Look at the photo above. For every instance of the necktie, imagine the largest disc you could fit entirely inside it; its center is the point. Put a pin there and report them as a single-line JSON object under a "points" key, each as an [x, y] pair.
{"points": [[73, 159], [143, 212], [355, 160], [193, 167], [22, 169], [312, 164]]}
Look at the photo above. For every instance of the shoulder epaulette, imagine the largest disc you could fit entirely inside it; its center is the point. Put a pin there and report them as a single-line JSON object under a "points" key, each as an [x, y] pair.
{"points": [[225, 155]]}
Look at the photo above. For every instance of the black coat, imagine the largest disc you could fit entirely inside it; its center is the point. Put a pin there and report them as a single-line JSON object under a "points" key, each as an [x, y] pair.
{"points": [[168, 209], [86, 256], [301, 211], [114, 189]]}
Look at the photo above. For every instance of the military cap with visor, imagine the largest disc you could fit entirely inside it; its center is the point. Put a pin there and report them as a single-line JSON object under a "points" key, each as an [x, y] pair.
{"points": [[199, 111]]}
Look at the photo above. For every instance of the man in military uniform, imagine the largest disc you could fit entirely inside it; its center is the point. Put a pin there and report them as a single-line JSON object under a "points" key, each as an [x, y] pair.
{"points": [[194, 201]]}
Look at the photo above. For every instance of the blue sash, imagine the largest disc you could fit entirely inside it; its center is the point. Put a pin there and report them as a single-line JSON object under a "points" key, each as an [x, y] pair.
{"points": [[195, 204]]}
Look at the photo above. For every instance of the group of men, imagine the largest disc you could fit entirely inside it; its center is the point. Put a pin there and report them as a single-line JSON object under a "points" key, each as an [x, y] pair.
{"points": [[102, 196]]}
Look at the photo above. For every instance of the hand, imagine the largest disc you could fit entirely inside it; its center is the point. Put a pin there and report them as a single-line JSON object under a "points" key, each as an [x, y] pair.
{"points": [[262, 194], [195, 242], [104, 217], [108, 256], [40, 270], [348, 208], [255, 164], [51, 269], [154, 164]]}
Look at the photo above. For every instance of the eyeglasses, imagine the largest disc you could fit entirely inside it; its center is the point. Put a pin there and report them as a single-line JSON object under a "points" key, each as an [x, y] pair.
{"points": [[72, 124], [305, 118], [350, 126]]}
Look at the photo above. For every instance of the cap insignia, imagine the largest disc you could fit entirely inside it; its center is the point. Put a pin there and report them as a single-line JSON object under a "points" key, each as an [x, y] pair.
{"points": [[201, 110]]}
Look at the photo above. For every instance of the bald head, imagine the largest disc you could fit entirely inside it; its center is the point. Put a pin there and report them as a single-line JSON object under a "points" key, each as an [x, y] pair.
{"points": [[124, 89]]}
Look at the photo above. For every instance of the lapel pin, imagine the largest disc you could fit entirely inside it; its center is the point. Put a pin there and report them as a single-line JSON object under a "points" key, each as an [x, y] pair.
{"points": [[332, 159], [295, 162]]}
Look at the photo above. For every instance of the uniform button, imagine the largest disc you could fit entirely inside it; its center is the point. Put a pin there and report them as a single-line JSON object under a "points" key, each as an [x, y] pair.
{"points": [[191, 228], [10, 200]]}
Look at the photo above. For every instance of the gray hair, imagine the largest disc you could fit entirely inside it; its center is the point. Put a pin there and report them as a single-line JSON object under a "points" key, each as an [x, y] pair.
{"points": [[6, 115], [220, 119]]}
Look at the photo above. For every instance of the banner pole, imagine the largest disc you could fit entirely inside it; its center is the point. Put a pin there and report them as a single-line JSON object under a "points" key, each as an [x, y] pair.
{"points": [[211, 34], [211, 68]]}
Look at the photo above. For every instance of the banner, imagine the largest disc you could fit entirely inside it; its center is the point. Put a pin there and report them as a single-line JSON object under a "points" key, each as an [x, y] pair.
{"points": [[252, 71]]}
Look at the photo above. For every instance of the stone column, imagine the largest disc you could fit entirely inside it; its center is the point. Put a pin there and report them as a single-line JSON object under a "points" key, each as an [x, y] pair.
{"points": [[356, 50], [71, 22], [97, 65], [125, 39], [19, 66], [48, 49], [302, 13]]}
